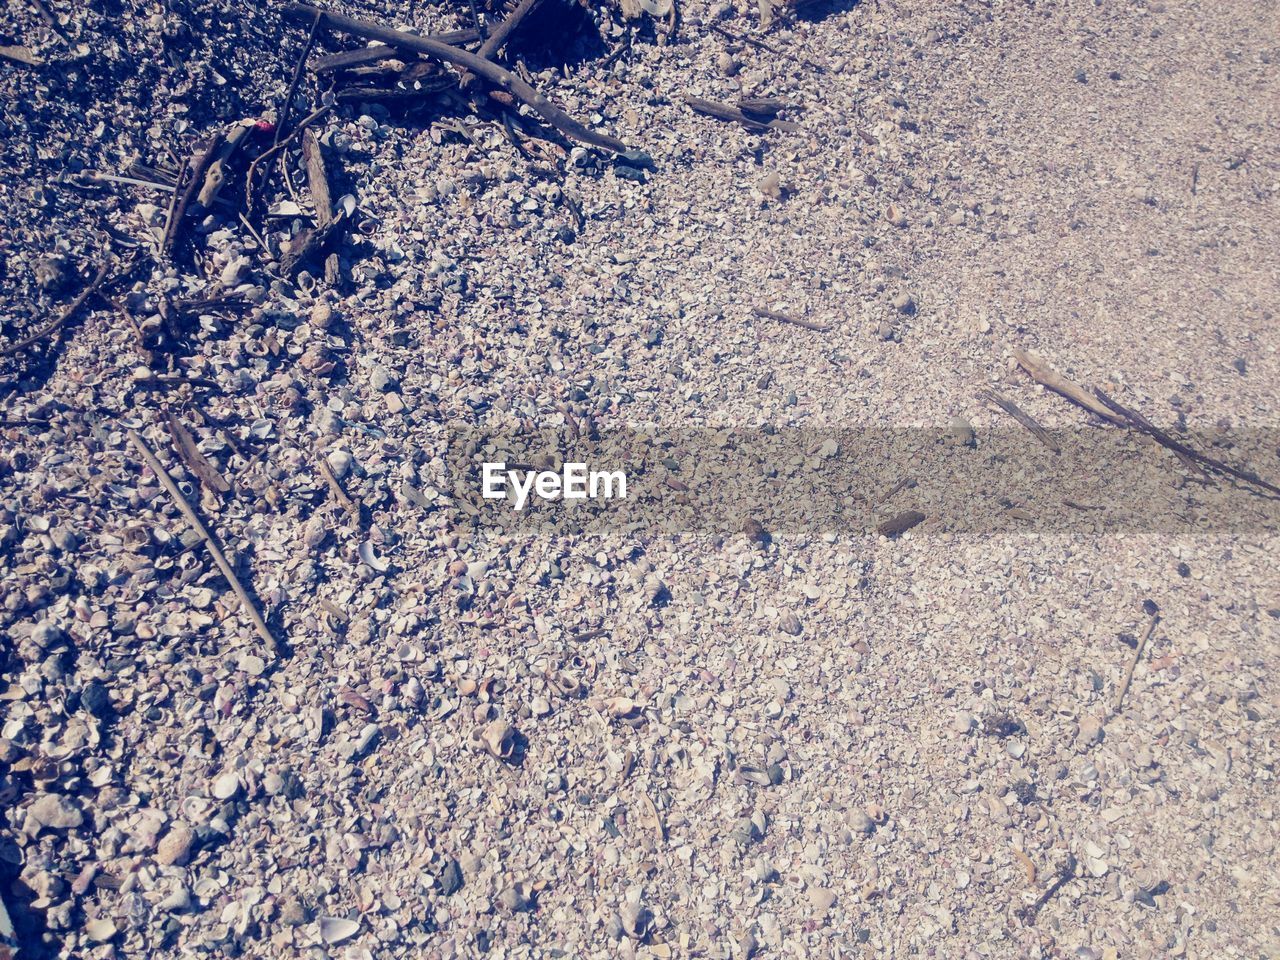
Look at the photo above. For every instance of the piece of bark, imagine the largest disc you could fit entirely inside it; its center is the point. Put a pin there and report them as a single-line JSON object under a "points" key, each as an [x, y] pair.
{"points": [[763, 108], [1045, 375], [900, 523], [1024, 418], [723, 111], [317, 178], [468, 61], [198, 463], [22, 55], [215, 548], [216, 175]]}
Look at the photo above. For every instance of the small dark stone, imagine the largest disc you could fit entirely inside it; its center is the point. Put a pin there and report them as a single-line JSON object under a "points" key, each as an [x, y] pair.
{"points": [[630, 173], [1024, 790], [1184, 570], [1240, 365], [566, 235], [451, 878], [1081, 77], [95, 699], [1129, 640], [1000, 725], [1150, 608], [635, 158]]}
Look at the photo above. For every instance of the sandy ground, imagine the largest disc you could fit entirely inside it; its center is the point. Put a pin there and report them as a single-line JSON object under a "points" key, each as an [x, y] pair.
{"points": [[831, 745]]}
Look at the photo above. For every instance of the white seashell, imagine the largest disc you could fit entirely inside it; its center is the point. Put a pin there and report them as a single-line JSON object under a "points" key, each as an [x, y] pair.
{"points": [[336, 929], [369, 557]]}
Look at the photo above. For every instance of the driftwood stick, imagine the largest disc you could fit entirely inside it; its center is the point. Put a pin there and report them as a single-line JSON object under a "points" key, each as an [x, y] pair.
{"points": [[349, 59], [786, 318], [216, 175], [506, 28], [1045, 375], [1143, 425], [468, 61], [67, 313], [722, 111], [1133, 664], [186, 193], [211, 542], [22, 55], [1024, 418], [287, 107]]}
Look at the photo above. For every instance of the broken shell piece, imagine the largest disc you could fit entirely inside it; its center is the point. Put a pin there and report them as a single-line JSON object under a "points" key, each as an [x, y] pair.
{"points": [[517, 897], [499, 738], [637, 921], [369, 558], [566, 683], [337, 929], [100, 931], [624, 709]]}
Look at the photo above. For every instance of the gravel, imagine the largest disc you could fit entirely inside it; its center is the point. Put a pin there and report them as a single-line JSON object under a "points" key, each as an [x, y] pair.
{"points": [[754, 741]]}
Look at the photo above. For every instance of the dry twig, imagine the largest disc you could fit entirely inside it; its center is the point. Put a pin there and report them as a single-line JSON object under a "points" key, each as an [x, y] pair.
{"points": [[1143, 425], [786, 318], [1024, 418], [211, 542], [1133, 664], [55, 324]]}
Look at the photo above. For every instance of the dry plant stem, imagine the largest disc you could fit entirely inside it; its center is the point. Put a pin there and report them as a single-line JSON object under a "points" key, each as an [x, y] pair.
{"points": [[784, 318], [210, 541], [1143, 425], [506, 28], [335, 487], [1046, 376], [287, 107], [468, 61], [1133, 664], [53, 325], [1024, 418]]}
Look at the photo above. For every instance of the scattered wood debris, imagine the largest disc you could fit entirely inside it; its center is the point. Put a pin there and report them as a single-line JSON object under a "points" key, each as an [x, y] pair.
{"points": [[900, 523], [504, 79]]}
